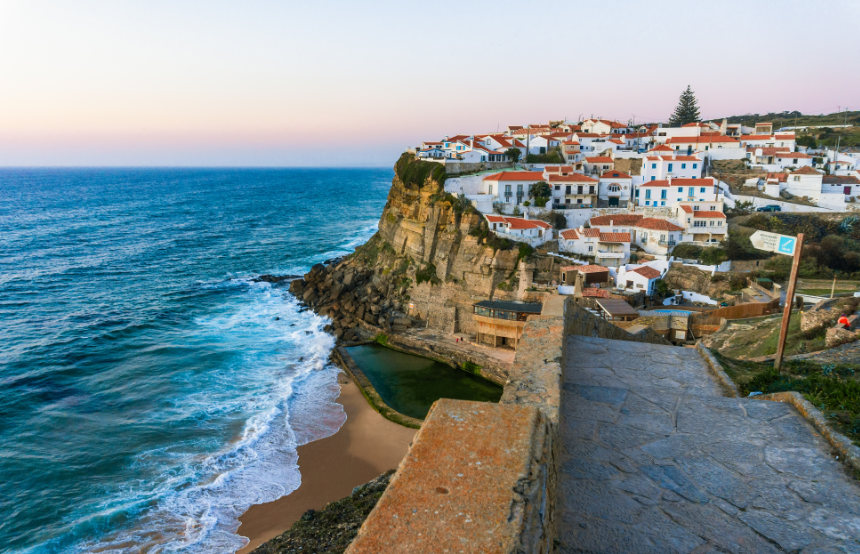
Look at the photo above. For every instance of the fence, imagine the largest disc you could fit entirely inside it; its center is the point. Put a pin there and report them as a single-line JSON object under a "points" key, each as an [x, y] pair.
{"points": [[708, 322]]}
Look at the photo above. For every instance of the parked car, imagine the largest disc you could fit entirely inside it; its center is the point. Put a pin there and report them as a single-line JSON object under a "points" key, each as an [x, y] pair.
{"points": [[769, 208]]}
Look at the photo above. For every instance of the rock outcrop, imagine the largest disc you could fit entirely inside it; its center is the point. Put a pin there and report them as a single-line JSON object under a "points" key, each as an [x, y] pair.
{"points": [[430, 260]]}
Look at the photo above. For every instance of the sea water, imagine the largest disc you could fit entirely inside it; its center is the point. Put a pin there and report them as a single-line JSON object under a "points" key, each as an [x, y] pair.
{"points": [[151, 389]]}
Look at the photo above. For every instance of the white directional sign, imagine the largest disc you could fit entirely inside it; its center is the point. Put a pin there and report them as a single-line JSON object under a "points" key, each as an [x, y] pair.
{"points": [[772, 242]]}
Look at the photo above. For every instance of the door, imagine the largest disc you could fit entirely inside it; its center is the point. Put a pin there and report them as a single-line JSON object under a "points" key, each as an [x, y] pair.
{"points": [[613, 201]]}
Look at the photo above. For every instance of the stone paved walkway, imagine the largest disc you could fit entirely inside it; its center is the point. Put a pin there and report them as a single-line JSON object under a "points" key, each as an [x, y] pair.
{"points": [[655, 459]]}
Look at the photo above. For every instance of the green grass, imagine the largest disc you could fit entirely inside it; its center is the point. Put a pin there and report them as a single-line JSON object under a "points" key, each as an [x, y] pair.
{"points": [[757, 336], [832, 388], [824, 292]]}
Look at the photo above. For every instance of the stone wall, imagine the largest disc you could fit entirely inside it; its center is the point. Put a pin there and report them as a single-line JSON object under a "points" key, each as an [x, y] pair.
{"points": [[578, 321]]}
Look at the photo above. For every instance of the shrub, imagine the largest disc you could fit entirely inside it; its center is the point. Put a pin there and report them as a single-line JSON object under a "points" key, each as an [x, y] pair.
{"points": [[737, 281], [413, 172], [524, 251], [427, 274]]}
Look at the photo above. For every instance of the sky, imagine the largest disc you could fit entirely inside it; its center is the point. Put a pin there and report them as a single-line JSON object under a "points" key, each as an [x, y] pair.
{"points": [[281, 83]]}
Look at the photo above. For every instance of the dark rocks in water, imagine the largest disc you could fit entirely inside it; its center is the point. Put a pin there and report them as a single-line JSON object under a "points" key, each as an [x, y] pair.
{"points": [[332, 528], [266, 278]]}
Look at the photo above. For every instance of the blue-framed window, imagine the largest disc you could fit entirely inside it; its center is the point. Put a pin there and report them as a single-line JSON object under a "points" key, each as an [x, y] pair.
{"points": [[683, 166], [653, 166], [681, 189], [663, 194], [647, 193], [670, 167], [695, 166], [702, 190]]}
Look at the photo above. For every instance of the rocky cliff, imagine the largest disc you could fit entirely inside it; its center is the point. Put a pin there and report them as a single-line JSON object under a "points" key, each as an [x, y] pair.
{"points": [[430, 260]]}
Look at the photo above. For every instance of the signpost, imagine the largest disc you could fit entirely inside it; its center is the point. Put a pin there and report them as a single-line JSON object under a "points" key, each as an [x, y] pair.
{"points": [[791, 246]]}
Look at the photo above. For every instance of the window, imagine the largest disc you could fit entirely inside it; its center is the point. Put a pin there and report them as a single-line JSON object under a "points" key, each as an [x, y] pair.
{"points": [[590, 248], [567, 189], [713, 208], [702, 190], [647, 193], [695, 208], [691, 191], [670, 167], [681, 190], [490, 189], [653, 178], [683, 166], [694, 166], [653, 166]]}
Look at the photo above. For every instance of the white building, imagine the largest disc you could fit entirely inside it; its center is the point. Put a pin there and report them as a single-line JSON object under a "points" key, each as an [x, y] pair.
{"points": [[531, 231], [718, 147], [669, 192], [607, 249], [615, 188], [663, 167], [657, 236], [572, 190], [510, 187], [642, 278], [793, 160], [703, 222], [598, 164]]}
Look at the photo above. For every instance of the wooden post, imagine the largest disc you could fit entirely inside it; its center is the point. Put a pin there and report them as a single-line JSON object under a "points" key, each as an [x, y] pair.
{"points": [[833, 287], [789, 302]]}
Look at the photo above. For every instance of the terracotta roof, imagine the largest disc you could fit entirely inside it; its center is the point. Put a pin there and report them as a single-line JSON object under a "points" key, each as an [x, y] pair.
{"points": [[656, 224], [697, 140], [769, 150], [674, 158], [647, 272], [495, 218], [780, 177], [840, 180], [746, 138], [680, 182], [614, 237], [573, 178], [807, 170], [784, 137], [570, 234], [593, 292], [687, 208], [799, 155], [520, 223], [661, 148], [591, 268], [709, 213], [515, 176], [615, 175], [599, 160], [615, 219]]}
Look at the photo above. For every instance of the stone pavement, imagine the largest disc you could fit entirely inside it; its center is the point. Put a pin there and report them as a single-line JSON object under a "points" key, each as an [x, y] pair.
{"points": [[654, 459]]}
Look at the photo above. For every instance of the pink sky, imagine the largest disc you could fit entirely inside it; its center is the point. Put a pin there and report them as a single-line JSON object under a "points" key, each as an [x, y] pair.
{"points": [[267, 83]]}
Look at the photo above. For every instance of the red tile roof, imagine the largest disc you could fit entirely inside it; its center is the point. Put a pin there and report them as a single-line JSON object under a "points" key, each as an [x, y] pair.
{"points": [[746, 138], [614, 237], [592, 292], [573, 178], [656, 224], [799, 155], [780, 177], [698, 140], [515, 176], [785, 137], [807, 170], [647, 272], [591, 268], [570, 234], [599, 160], [519, 223], [615, 219], [680, 182], [709, 213], [612, 174]]}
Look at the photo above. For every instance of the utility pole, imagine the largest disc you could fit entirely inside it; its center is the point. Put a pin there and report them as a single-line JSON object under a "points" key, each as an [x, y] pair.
{"points": [[789, 301]]}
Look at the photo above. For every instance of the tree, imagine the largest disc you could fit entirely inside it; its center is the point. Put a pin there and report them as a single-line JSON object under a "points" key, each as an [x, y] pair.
{"points": [[513, 154], [807, 140], [687, 110], [540, 192]]}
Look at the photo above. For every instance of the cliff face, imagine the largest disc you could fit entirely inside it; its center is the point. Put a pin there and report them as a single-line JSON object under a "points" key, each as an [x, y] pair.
{"points": [[427, 264]]}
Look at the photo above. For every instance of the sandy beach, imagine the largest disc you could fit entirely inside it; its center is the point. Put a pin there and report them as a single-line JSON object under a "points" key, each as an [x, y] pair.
{"points": [[366, 446]]}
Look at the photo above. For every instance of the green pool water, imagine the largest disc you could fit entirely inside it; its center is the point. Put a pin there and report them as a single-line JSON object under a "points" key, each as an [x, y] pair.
{"points": [[410, 384]]}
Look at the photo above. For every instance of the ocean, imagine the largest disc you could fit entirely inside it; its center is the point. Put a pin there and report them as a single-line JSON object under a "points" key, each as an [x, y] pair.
{"points": [[150, 389]]}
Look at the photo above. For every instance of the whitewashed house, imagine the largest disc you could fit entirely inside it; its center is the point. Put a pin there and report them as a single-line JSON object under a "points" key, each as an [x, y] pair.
{"points": [[703, 222], [642, 278], [792, 160], [717, 147], [572, 190], [607, 249], [596, 165], [669, 192], [510, 187], [663, 167], [530, 231], [805, 182], [615, 188], [657, 236]]}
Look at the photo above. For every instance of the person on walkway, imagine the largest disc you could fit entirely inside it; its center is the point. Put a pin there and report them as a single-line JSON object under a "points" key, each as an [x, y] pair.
{"points": [[843, 321]]}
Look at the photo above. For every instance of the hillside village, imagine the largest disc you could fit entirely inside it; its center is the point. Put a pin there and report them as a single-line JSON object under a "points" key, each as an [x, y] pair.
{"points": [[617, 192]]}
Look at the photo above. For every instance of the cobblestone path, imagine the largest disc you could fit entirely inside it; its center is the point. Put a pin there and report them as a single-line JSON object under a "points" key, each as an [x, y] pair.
{"points": [[655, 459]]}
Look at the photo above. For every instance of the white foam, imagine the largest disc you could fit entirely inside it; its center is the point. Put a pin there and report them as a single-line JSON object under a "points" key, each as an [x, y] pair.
{"points": [[197, 503]]}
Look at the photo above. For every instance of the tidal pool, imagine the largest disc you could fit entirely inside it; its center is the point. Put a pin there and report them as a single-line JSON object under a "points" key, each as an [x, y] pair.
{"points": [[410, 384]]}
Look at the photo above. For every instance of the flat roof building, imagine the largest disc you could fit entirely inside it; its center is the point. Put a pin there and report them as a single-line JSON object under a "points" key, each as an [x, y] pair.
{"points": [[501, 322]]}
